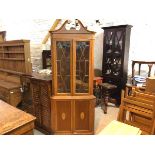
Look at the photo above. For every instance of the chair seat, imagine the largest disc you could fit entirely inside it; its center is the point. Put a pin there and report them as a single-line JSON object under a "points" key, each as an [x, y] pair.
{"points": [[108, 86]]}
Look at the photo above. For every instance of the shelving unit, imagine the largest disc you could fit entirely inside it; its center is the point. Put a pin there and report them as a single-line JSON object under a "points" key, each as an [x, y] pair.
{"points": [[15, 56]]}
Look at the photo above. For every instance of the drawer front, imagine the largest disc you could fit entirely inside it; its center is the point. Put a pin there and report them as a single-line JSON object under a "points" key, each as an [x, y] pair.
{"points": [[4, 94], [15, 97]]}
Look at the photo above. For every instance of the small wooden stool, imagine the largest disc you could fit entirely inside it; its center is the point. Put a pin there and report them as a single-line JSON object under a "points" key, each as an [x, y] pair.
{"points": [[106, 89]]}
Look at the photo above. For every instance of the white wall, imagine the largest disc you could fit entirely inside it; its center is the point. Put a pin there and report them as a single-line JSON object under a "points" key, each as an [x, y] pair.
{"points": [[141, 44]]}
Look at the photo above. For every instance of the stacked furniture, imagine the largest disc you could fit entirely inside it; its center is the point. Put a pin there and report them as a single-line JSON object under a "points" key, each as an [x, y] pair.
{"points": [[14, 121], [15, 61], [72, 101], [138, 110], [115, 57]]}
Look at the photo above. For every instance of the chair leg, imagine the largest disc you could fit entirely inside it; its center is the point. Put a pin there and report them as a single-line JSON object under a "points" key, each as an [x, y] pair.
{"points": [[105, 99]]}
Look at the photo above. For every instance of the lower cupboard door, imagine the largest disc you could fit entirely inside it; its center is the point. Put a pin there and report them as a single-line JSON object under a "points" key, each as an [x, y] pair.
{"points": [[63, 117], [84, 117]]}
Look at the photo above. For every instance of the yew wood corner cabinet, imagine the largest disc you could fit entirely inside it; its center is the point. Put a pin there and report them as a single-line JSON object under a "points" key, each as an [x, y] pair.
{"points": [[72, 100]]}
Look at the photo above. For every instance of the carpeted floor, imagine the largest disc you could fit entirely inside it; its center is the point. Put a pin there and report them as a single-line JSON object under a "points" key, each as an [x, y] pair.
{"points": [[101, 119]]}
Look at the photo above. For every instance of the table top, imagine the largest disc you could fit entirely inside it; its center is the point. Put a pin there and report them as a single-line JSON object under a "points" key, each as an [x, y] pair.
{"points": [[12, 118], [119, 128]]}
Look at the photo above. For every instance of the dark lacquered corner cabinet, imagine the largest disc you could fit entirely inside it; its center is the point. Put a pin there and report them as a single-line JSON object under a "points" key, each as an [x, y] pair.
{"points": [[72, 102], [115, 56]]}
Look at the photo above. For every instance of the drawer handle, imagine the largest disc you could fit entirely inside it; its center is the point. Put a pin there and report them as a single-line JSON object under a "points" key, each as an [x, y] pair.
{"points": [[82, 115], [63, 116]]}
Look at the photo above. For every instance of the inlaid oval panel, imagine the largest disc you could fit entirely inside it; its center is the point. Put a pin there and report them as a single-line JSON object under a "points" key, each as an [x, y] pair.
{"points": [[63, 116], [82, 115]]}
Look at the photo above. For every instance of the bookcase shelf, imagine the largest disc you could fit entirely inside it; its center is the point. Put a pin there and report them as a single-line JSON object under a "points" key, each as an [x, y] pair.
{"points": [[14, 59], [13, 52], [15, 56]]}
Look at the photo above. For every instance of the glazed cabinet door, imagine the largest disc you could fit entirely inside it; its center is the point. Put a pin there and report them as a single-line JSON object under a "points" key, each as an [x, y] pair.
{"points": [[62, 66], [62, 117], [108, 52], [82, 59], [84, 117], [118, 52], [114, 40]]}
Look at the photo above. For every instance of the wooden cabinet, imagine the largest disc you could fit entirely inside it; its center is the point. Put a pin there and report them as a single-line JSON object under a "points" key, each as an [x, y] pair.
{"points": [[115, 56], [15, 56], [46, 59], [73, 116], [41, 92], [72, 68]]}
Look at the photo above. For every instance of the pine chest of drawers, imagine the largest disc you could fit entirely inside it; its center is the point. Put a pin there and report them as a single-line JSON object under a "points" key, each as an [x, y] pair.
{"points": [[10, 92]]}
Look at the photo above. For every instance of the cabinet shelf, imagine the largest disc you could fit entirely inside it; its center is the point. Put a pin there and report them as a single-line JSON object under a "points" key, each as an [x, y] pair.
{"points": [[13, 52], [18, 59], [13, 43]]}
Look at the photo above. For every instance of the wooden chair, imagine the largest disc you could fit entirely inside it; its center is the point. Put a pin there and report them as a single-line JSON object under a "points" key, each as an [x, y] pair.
{"points": [[149, 88], [138, 110], [106, 91], [150, 85]]}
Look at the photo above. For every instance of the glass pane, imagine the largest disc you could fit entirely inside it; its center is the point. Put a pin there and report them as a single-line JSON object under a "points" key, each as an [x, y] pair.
{"points": [[82, 66], [63, 66]]}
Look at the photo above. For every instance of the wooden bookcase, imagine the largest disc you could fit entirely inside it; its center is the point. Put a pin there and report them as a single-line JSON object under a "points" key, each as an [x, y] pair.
{"points": [[15, 56], [72, 101]]}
